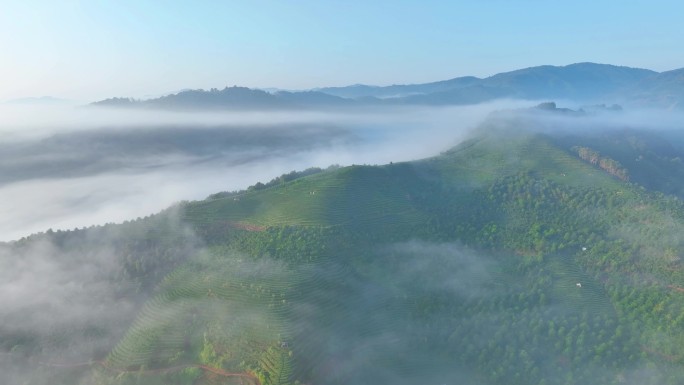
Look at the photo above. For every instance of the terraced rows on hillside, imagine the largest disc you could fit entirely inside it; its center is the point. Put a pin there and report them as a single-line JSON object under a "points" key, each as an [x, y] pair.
{"points": [[216, 310]]}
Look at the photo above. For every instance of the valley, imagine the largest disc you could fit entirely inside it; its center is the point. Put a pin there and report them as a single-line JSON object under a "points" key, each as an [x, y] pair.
{"points": [[506, 260]]}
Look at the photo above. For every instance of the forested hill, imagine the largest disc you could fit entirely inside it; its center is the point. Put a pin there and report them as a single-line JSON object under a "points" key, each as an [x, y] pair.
{"points": [[231, 98], [518, 257]]}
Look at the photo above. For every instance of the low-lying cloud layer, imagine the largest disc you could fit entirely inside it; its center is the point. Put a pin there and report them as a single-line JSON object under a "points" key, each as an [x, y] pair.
{"points": [[65, 167]]}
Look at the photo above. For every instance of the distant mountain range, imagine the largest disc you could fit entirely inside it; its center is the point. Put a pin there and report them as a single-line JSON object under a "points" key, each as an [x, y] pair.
{"points": [[581, 82]]}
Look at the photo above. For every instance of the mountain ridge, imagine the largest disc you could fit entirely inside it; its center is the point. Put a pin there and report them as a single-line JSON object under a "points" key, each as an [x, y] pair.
{"points": [[580, 82]]}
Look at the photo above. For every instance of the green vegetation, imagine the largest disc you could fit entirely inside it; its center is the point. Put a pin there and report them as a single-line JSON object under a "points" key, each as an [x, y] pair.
{"points": [[501, 261]]}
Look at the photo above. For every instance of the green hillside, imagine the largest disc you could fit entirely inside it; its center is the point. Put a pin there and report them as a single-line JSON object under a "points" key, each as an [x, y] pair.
{"points": [[509, 259], [352, 195]]}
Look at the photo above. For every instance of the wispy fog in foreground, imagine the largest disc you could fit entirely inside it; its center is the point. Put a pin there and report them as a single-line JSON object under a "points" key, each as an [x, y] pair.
{"points": [[66, 167]]}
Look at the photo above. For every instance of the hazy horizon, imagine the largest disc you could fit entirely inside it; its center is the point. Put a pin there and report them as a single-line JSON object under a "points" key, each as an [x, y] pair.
{"points": [[87, 51]]}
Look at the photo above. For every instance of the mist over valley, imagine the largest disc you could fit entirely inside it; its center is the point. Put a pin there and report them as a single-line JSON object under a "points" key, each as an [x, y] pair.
{"points": [[341, 193]]}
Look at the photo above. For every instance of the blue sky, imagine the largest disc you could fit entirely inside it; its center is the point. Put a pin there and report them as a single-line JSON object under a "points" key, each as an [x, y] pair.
{"points": [[87, 50]]}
